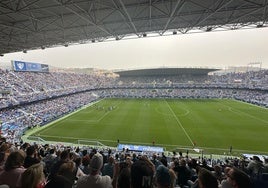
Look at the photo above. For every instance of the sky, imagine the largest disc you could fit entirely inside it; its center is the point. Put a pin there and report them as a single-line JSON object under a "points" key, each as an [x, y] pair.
{"points": [[220, 49]]}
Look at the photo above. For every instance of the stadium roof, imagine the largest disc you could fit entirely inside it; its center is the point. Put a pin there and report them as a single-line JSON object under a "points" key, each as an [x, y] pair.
{"points": [[165, 72], [38, 24]]}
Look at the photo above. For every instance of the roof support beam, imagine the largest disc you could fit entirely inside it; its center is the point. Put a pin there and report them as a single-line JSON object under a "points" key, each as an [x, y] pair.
{"points": [[84, 18], [213, 13], [172, 14], [129, 18]]}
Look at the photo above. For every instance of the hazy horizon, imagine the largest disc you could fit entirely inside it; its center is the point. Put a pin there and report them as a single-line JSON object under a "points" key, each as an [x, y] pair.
{"points": [[220, 49]]}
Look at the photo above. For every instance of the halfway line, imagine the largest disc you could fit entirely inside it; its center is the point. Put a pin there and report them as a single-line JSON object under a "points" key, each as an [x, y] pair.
{"points": [[180, 123]]}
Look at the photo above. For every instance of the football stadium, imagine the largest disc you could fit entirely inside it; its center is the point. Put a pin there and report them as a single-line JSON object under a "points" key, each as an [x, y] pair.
{"points": [[152, 127]]}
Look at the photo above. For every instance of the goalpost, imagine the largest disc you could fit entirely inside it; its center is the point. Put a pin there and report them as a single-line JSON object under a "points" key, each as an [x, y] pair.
{"points": [[36, 139], [95, 143]]}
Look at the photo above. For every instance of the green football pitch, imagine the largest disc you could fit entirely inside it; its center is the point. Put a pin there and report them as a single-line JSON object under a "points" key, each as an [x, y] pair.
{"points": [[212, 125]]}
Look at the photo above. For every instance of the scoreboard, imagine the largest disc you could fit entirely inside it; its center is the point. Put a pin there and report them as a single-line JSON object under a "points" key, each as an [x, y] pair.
{"points": [[29, 66]]}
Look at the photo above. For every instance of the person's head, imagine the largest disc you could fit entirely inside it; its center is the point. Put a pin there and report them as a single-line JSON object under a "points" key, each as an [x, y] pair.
{"points": [[142, 172], [96, 163], [85, 160], [65, 155], [124, 178], [14, 160], [30, 150], [67, 167], [162, 176], [33, 176], [238, 178], [182, 162], [111, 159], [4, 147], [217, 168], [256, 158], [65, 177], [206, 179], [51, 151]]}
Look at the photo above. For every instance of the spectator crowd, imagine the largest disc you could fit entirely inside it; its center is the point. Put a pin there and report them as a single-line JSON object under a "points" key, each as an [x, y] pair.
{"points": [[30, 99], [24, 165]]}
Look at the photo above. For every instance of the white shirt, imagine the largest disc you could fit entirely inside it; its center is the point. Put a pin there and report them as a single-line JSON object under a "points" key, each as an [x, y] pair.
{"points": [[96, 181]]}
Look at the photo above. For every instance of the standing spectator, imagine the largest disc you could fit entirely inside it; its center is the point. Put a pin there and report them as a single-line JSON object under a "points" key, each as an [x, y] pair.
{"points": [[65, 176], [238, 178], [31, 157], [85, 165], [13, 170], [64, 157], [33, 177], [142, 172], [124, 177], [109, 167], [182, 172], [162, 177], [206, 179], [218, 173], [254, 167], [265, 166], [50, 159]]}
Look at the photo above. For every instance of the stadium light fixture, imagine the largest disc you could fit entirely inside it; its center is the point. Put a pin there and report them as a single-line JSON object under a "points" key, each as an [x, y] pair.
{"points": [[209, 29]]}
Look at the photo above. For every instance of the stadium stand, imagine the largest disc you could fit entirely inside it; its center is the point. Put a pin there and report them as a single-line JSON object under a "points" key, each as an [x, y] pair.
{"points": [[34, 99], [30, 99]]}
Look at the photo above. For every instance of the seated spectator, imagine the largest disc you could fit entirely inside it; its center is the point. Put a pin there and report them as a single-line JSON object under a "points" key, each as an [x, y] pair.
{"points": [[13, 170], [95, 179], [33, 177]]}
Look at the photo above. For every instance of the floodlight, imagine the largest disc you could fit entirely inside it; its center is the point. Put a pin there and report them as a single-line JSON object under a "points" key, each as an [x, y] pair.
{"points": [[209, 29]]}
